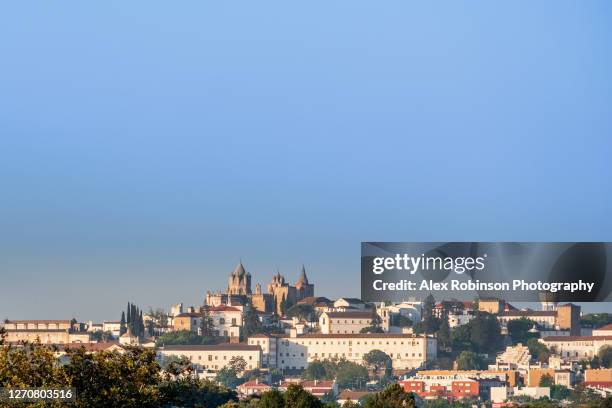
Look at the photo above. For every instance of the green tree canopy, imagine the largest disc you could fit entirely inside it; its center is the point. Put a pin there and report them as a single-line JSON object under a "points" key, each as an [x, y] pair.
{"points": [[468, 360]]}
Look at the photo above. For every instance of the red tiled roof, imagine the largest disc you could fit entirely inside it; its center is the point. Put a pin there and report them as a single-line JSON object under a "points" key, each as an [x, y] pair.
{"points": [[254, 384], [606, 327]]}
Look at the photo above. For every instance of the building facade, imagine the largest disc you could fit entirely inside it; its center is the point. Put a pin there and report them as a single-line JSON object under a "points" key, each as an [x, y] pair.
{"points": [[295, 352], [214, 357]]}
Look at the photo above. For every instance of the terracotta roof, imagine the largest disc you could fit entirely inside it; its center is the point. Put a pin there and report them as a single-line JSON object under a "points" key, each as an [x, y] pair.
{"points": [[254, 384], [606, 327], [352, 395], [212, 347]]}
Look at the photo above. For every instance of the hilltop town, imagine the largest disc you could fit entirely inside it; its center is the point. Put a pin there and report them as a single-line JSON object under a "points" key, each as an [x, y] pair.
{"points": [[253, 341]]}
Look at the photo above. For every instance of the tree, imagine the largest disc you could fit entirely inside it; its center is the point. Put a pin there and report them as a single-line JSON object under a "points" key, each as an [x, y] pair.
{"points": [[371, 329], [238, 364], [393, 396], [128, 379], [519, 330], [122, 326], [481, 335], [559, 392], [315, 370], [444, 335], [99, 335], [402, 321], [283, 305], [377, 359], [182, 337], [468, 360], [429, 323], [605, 356], [252, 324], [485, 333], [302, 311], [546, 381], [271, 399], [538, 350], [228, 377], [297, 397], [207, 328]]}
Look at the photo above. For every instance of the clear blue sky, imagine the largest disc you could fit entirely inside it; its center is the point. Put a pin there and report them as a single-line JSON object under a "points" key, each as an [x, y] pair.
{"points": [[146, 147]]}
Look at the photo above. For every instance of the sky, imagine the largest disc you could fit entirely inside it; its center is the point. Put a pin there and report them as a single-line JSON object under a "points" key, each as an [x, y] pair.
{"points": [[147, 147]]}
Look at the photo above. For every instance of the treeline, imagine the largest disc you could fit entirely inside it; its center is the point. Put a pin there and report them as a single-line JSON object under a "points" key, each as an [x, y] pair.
{"points": [[135, 379]]}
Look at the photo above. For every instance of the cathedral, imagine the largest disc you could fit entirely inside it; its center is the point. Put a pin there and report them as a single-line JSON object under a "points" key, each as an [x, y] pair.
{"points": [[280, 294]]}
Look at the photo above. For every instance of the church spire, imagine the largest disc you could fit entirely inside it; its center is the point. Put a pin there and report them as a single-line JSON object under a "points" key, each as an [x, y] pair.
{"points": [[303, 279]]}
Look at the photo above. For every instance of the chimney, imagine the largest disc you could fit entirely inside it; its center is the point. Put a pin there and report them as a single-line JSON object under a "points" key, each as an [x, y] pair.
{"points": [[292, 332], [257, 381]]}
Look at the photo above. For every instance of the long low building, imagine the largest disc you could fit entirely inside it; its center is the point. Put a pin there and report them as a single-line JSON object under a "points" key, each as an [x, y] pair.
{"points": [[576, 348], [215, 357], [45, 331], [294, 351]]}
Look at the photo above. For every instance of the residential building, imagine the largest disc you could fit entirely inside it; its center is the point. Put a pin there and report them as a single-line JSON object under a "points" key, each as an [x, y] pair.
{"points": [[354, 396], [254, 387], [457, 384]]}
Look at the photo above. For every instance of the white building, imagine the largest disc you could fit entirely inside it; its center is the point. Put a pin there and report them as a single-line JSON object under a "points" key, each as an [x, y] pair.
{"points": [[345, 322], [603, 331], [227, 320], [113, 327], [213, 358], [295, 352], [576, 348], [343, 304], [390, 313], [501, 394]]}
